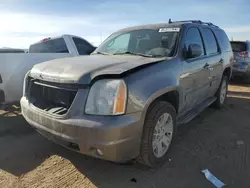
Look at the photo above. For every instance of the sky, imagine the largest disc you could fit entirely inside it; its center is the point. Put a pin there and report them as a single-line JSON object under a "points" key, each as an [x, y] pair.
{"points": [[23, 22]]}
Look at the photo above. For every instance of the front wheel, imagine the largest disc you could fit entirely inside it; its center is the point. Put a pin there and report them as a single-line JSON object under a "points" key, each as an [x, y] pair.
{"points": [[221, 94], [158, 133]]}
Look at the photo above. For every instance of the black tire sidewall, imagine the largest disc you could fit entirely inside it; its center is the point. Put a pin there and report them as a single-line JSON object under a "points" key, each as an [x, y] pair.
{"points": [[219, 93], [153, 117]]}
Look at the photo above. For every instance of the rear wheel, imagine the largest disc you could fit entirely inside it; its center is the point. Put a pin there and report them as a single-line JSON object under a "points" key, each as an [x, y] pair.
{"points": [[221, 94], [158, 133]]}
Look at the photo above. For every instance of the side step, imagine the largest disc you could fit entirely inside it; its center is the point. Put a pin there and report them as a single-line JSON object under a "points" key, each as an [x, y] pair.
{"points": [[188, 116]]}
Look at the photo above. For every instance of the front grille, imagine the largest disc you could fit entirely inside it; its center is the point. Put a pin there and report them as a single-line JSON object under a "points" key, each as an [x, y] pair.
{"points": [[50, 97]]}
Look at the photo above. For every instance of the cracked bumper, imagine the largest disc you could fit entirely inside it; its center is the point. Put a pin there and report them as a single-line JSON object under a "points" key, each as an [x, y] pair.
{"points": [[117, 137]]}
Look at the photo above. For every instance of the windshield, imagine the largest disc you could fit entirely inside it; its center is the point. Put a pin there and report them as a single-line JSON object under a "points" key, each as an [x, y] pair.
{"points": [[50, 46], [147, 42]]}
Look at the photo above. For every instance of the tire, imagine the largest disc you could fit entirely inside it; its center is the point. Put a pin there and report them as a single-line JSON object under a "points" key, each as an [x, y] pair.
{"points": [[147, 154], [219, 103]]}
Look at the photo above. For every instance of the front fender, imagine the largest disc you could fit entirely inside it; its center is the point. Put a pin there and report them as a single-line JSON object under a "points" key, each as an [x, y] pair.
{"points": [[156, 95], [148, 84]]}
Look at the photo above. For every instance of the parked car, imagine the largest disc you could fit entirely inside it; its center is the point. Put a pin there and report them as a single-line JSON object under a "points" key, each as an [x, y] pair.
{"points": [[241, 66], [125, 100], [14, 66]]}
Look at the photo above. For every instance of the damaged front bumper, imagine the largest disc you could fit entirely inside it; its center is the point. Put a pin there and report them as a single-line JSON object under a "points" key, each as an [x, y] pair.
{"points": [[117, 137]]}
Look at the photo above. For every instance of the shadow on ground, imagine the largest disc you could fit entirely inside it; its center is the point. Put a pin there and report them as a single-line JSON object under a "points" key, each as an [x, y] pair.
{"points": [[21, 148], [239, 93], [209, 141]]}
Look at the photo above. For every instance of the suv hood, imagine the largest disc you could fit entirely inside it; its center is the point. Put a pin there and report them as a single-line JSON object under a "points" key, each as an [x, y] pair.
{"points": [[83, 69]]}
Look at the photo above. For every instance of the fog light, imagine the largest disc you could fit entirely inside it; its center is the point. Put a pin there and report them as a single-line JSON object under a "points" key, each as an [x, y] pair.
{"points": [[99, 152]]}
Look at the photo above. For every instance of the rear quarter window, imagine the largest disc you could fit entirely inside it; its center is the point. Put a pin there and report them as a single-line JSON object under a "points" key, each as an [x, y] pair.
{"points": [[223, 40], [50, 46]]}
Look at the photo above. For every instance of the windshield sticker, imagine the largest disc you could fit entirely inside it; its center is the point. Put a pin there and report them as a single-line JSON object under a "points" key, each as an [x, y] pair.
{"points": [[172, 29]]}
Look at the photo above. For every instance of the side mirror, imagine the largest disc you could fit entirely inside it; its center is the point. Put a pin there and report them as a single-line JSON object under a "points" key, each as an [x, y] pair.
{"points": [[194, 50]]}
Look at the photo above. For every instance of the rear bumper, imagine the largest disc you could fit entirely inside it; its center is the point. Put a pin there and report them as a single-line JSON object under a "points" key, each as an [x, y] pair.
{"points": [[117, 137], [241, 69]]}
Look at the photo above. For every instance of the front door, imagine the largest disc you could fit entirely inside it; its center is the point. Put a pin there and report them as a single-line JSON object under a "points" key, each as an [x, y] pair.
{"points": [[194, 78]]}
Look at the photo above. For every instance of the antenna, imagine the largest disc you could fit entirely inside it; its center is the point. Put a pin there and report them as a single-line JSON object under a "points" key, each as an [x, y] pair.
{"points": [[169, 21]]}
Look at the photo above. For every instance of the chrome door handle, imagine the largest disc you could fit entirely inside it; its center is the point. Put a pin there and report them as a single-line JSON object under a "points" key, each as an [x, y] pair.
{"points": [[221, 60], [206, 66]]}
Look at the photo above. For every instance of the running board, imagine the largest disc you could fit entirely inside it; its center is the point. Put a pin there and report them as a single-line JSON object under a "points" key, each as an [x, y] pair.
{"points": [[188, 116]]}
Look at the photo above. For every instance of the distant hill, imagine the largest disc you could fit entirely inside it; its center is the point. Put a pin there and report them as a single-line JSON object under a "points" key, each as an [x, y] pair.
{"points": [[6, 48]]}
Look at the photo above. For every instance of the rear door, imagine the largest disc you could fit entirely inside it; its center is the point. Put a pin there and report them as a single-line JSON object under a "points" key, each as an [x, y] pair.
{"points": [[214, 60], [194, 79]]}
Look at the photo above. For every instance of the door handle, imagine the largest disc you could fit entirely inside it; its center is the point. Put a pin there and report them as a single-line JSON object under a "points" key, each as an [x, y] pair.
{"points": [[221, 60], [206, 66]]}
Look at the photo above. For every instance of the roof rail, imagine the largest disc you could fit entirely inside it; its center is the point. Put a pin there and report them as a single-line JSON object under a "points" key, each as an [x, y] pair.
{"points": [[193, 21]]}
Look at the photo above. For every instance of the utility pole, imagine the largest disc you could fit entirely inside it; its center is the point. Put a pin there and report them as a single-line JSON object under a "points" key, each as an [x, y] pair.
{"points": [[232, 38]]}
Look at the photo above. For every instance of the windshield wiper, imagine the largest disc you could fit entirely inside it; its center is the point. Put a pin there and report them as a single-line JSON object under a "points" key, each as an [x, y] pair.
{"points": [[103, 53], [133, 53]]}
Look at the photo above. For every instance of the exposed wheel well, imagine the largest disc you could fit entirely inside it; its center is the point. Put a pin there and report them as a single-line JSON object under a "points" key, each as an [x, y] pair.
{"points": [[172, 97], [227, 72]]}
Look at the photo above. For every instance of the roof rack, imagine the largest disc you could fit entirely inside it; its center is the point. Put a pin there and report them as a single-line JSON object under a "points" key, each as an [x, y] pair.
{"points": [[193, 21]]}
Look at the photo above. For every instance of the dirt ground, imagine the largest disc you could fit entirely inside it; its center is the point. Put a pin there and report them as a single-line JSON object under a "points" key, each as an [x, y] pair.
{"points": [[215, 140]]}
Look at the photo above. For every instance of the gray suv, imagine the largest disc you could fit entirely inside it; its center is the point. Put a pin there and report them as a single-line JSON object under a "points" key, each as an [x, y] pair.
{"points": [[126, 100], [241, 51]]}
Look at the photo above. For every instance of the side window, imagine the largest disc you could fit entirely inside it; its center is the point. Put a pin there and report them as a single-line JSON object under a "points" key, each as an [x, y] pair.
{"points": [[210, 42], [82, 46], [193, 36], [121, 42], [223, 40]]}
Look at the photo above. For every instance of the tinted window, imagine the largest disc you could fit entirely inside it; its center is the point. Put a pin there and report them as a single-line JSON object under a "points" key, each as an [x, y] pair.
{"points": [[193, 36], [239, 46], [223, 40], [151, 42], [83, 47], [50, 46], [210, 42]]}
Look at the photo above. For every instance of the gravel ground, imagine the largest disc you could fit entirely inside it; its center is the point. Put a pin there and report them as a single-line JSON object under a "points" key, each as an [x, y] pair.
{"points": [[217, 140]]}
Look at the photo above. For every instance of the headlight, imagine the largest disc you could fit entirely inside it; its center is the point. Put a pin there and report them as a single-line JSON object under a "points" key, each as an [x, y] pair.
{"points": [[107, 97], [25, 83]]}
